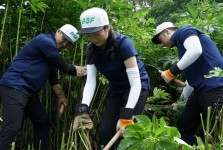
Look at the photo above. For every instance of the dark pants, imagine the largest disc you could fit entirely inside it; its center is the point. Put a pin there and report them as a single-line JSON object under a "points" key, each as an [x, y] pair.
{"points": [[111, 114], [189, 121], [15, 104]]}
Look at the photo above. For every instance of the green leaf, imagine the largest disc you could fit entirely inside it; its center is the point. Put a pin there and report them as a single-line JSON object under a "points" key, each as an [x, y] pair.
{"points": [[217, 72], [144, 120], [38, 5], [127, 142]]}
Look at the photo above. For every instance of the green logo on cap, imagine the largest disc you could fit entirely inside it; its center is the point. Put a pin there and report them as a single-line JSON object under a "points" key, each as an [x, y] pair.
{"points": [[87, 20], [73, 35]]}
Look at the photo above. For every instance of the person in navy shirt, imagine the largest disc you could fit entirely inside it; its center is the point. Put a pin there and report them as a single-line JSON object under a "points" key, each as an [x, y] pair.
{"points": [[115, 56], [35, 63], [198, 55]]}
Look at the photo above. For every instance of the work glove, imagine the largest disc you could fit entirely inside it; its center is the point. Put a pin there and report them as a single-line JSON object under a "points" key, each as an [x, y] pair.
{"points": [[62, 100], [167, 75], [125, 119], [81, 71], [187, 91], [82, 118]]}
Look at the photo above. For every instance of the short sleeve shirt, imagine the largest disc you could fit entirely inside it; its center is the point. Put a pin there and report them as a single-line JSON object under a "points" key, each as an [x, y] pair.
{"points": [[114, 69], [209, 59]]}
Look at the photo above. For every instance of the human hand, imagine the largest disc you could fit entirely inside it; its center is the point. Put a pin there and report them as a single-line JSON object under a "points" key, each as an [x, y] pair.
{"points": [[125, 119], [82, 119], [81, 71], [61, 104], [167, 75], [62, 100], [122, 123]]}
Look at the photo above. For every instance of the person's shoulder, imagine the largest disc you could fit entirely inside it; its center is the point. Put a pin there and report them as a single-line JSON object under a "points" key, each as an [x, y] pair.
{"points": [[187, 27], [44, 37], [120, 38]]}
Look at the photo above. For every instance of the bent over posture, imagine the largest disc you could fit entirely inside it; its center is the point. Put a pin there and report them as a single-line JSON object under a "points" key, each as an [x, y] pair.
{"points": [[114, 56], [27, 74], [198, 55]]}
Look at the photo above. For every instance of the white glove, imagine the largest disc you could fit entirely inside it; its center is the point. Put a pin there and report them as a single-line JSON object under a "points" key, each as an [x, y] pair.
{"points": [[167, 75], [187, 90]]}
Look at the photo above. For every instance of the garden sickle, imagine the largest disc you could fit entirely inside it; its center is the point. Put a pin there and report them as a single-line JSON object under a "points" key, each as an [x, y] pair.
{"points": [[179, 82], [113, 140]]}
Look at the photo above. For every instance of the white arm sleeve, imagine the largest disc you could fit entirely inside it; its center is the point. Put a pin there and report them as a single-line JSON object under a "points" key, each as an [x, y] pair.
{"points": [[90, 85], [194, 50], [135, 83]]}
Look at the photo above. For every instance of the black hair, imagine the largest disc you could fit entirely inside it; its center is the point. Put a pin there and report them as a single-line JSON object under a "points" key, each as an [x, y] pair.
{"points": [[109, 49]]}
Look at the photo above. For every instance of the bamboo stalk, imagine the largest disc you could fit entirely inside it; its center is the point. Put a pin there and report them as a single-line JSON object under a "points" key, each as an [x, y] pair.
{"points": [[4, 19], [18, 28]]}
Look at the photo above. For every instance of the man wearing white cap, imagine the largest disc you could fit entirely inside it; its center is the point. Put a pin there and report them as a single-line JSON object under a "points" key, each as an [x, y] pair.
{"points": [[198, 55], [35, 63], [114, 56]]}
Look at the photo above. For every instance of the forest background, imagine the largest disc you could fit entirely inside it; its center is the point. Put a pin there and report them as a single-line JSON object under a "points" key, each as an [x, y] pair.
{"points": [[23, 19]]}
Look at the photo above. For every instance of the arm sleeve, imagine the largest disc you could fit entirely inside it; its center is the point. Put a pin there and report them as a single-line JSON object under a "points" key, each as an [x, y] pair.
{"points": [[193, 51], [135, 83], [90, 85], [53, 80], [59, 63]]}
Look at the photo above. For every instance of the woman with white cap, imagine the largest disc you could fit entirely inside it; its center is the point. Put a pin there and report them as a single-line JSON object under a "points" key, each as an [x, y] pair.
{"points": [[35, 63], [115, 56]]}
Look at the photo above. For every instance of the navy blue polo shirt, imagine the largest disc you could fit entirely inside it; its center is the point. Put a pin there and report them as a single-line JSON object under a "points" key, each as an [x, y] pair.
{"points": [[114, 69], [209, 59], [30, 70]]}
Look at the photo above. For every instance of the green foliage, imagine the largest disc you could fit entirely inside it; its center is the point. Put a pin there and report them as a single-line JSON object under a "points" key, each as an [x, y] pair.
{"points": [[158, 94], [150, 135], [38, 16], [217, 72], [204, 14], [38, 5]]}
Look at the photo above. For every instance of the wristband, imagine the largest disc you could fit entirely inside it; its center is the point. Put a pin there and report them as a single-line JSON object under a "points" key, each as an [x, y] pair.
{"points": [[81, 109], [126, 113], [175, 70]]}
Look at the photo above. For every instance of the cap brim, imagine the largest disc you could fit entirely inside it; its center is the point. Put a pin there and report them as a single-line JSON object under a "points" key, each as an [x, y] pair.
{"points": [[90, 30], [67, 37], [155, 39]]}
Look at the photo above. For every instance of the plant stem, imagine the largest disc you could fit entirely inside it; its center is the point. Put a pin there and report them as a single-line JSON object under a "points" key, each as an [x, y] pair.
{"points": [[17, 36]]}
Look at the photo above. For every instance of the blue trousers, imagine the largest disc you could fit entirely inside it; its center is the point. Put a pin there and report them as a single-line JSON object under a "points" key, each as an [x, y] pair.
{"points": [[15, 104], [189, 120]]}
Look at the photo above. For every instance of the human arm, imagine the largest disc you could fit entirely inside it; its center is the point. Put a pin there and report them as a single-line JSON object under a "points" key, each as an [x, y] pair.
{"points": [[59, 63], [193, 51], [82, 110], [127, 112], [61, 98]]}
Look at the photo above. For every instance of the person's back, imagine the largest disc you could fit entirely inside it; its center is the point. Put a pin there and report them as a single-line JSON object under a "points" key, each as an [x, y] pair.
{"points": [[30, 69], [20, 84], [209, 58]]}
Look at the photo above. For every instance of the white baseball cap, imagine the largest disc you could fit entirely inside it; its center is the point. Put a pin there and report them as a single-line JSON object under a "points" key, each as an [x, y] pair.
{"points": [[159, 29], [93, 20], [69, 32]]}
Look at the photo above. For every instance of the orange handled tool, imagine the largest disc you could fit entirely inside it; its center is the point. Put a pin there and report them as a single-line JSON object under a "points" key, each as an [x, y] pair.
{"points": [[179, 82]]}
